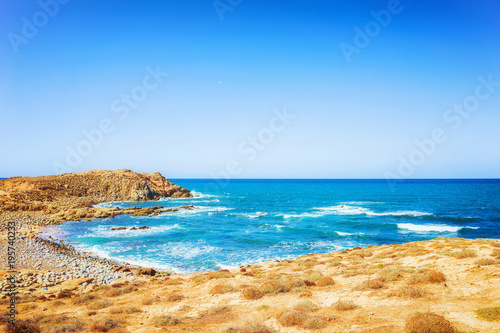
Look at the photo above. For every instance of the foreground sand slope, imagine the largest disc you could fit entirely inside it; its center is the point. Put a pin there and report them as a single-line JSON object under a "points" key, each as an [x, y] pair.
{"points": [[373, 289]]}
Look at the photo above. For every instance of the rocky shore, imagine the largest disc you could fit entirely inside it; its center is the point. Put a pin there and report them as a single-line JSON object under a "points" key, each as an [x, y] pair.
{"points": [[46, 263]]}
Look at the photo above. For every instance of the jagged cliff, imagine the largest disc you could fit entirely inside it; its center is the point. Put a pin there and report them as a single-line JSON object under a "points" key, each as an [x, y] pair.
{"points": [[71, 196]]}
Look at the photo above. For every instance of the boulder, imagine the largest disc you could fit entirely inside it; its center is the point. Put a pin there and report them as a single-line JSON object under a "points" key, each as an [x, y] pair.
{"points": [[146, 271]]}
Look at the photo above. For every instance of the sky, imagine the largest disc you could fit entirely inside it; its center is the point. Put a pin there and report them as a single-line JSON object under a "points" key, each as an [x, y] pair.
{"points": [[251, 89]]}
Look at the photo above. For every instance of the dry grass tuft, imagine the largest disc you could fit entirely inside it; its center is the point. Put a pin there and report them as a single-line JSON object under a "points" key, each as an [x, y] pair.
{"points": [[173, 282], [127, 310], [391, 273], [435, 276], [465, 253], [217, 313], [84, 299], [427, 277], [313, 323], [489, 314], [174, 297], [306, 306], [409, 291], [23, 326], [370, 284], [105, 325], [250, 328], [223, 289], [303, 292], [70, 325], [100, 304], [485, 262], [166, 320], [292, 318], [148, 300], [325, 281], [252, 293], [222, 274], [344, 305], [429, 323], [64, 294], [275, 287]]}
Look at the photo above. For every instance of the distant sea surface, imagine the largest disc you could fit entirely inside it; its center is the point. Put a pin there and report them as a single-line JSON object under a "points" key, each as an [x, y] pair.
{"points": [[251, 221]]}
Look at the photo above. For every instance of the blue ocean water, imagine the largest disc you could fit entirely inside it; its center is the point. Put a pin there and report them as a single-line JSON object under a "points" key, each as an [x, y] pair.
{"points": [[250, 221]]}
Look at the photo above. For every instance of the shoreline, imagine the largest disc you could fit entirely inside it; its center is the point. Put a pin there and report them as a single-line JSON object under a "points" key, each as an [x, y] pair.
{"points": [[322, 281]]}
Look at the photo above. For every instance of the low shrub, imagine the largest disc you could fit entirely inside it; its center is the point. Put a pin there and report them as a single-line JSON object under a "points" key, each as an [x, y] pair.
{"points": [[71, 325], [167, 320], [217, 313], [344, 305], [100, 304], [148, 300], [391, 273], [313, 323], [427, 277], [465, 253], [222, 274], [174, 297], [370, 284], [485, 262], [429, 323], [410, 291], [84, 299], [489, 314], [292, 318], [250, 328], [64, 294], [223, 289], [435, 276], [105, 325], [306, 306], [252, 293], [23, 326], [275, 287], [325, 281]]}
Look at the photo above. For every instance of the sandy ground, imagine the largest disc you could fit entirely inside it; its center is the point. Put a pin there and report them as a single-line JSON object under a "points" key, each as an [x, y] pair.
{"points": [[384, 285]]}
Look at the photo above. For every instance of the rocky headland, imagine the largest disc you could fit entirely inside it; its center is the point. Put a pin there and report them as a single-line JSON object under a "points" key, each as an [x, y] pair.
{"points": [[72, 196]]}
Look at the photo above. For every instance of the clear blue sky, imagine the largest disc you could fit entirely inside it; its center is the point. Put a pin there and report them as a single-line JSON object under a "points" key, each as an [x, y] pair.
{"points": [[353, 119]]}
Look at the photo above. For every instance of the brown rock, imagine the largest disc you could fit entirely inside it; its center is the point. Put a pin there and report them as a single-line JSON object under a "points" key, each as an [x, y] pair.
{"points": [[146, 271]]}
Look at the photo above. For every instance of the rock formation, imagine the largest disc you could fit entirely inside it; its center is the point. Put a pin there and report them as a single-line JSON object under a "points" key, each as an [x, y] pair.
{"points": [[72, 196]]}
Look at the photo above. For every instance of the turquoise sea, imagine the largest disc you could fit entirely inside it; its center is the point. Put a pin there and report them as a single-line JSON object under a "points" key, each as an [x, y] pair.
{"points": [[250, 221]]}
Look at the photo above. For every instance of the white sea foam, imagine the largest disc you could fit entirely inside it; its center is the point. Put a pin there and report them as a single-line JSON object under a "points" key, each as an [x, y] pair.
{"points": [[105, 231], [401, 213], [254, 215], [351, 210], [203, 209], [340, 233], [185, 250], [431, 228], [199, 195]]}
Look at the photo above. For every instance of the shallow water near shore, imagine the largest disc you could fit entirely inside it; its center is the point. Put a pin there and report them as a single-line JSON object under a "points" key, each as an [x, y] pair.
{"points": [[250, 221]]}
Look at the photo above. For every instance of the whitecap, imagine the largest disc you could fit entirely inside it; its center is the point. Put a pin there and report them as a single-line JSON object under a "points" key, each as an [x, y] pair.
{"points": [[401, 213], [105, 231], [431, 228]]}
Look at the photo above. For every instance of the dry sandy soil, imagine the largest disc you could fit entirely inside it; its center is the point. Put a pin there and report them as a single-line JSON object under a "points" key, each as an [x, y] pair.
{"points": [[361, 290]]}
